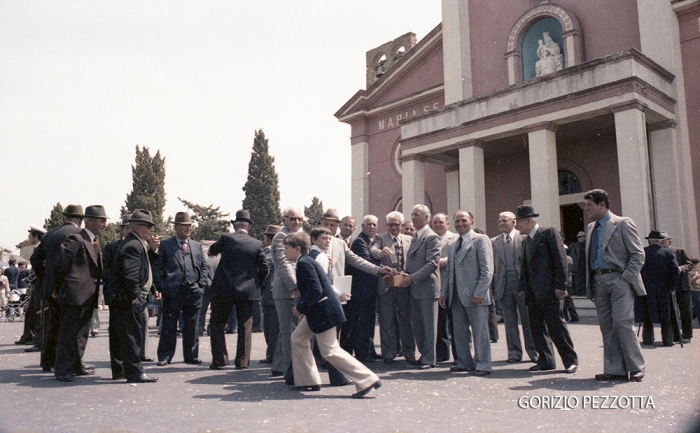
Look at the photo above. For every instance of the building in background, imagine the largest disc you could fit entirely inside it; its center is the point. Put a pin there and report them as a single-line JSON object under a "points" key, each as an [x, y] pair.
{"points": [[535, 104]]}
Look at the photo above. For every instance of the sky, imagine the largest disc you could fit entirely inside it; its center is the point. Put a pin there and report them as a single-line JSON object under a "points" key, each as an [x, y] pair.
{"points": [[82, 83]]}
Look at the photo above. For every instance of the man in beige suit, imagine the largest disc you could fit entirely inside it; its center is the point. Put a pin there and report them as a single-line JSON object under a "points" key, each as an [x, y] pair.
{"points": [[391, 249], [615, 259]]}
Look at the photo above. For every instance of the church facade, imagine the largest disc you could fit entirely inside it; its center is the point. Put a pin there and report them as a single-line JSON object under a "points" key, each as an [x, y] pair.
{"points": [[535, 104]]}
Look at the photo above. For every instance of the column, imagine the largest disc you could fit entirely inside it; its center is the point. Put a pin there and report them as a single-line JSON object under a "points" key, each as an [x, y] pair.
{"points": [[472, 184], [412, 182], [544, 179], [360, 180], [452, 174], [633, 162], [456, 46]]}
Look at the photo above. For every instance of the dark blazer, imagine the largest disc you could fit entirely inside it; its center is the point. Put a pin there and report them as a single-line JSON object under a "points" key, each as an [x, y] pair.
{"points": [[266, 286], [546, 268], [131, 267], [169, 268], [46, 254], [76, 273], [361, 280], [684, 266], [243, 267], [313, 286], [109, 255], [660, 275]]}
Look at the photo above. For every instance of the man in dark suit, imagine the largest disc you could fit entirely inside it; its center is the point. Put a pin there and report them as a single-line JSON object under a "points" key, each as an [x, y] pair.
{"points": [[363, 298], [128, 296], [180, 275], [76, 286], [660, 275], [543, 286], [32, 324], [577, 252], [615, 257], [43, 260], [237, 282], [683, 293], [271, 326], [422, 276]]}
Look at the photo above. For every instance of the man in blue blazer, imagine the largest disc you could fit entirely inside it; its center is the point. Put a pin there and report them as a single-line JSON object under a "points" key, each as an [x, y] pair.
{"points": [[180, 275], [242, 269]]}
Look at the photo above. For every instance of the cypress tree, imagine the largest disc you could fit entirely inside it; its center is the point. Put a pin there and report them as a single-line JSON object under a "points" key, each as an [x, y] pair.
{"points": [[262, 193], [211, 222], [55, 219], [148, 186], [313, 214]]}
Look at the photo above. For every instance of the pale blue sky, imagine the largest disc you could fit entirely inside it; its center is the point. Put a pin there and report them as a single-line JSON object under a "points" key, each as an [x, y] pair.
{"points": [[83, 82]]}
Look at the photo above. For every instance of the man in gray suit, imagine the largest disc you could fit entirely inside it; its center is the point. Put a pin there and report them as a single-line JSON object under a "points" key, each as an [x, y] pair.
{"points": [[391, 249], [441, 225], [423, 278], [615, 259], [507, 256], [465, 289]]}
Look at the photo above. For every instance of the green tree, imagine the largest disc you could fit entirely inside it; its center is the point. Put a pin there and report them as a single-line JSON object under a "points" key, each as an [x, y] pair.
{"points": [[55, 219], [112, 233], [148, 186], [262, 193], [211, 222], [313, 214]]}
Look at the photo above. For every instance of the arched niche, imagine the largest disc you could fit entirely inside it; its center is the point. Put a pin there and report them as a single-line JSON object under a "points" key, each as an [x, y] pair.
{"points": [[570, 35]]}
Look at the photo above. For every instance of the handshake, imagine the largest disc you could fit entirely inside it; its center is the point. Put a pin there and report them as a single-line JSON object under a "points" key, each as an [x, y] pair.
{"points": [[404, 281]]}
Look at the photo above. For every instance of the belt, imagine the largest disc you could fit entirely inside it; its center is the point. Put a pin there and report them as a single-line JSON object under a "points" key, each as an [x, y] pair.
{"points": [[602, 271]]}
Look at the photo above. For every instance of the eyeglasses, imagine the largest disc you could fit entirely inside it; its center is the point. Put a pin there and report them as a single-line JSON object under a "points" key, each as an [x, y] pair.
{"points": [[393, 224], [295, 219]]}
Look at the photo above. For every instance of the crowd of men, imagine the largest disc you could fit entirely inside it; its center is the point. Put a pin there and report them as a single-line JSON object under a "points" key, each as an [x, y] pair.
{"points": [[433, 290]]}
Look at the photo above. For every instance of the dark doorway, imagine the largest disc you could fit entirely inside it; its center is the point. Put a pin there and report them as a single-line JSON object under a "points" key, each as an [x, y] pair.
{"points": [[571, 221]]}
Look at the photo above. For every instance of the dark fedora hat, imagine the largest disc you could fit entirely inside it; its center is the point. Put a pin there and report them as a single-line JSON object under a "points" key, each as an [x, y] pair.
{"points": [[272, 230], [244, 216], [331, 214], [183, 218], [666, 236], [124, 220], [95, 211], [142, 216], [525, 211], [73, 210], [655, 234]]}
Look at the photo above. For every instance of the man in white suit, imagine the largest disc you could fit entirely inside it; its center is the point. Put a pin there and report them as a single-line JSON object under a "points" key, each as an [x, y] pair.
{"points": [[507, 255], [465, 290], [615, 259], [391, 249], [423, 278]]}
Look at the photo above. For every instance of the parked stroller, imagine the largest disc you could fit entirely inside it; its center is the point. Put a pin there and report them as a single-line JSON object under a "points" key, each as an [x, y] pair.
{"points": [[16, 306]]}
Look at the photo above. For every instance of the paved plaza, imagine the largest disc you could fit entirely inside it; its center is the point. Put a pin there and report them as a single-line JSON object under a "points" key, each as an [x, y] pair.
{"points": [[191, 398]]}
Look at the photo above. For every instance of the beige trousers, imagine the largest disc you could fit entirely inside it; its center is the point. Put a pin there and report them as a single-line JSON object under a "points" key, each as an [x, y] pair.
{"points": [[304, 364]]}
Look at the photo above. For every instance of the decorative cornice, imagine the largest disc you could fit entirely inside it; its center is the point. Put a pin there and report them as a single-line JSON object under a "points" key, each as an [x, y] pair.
{"points": [[470, 143], [666, 124], [629, 105], [412, 157], [549, 126]]}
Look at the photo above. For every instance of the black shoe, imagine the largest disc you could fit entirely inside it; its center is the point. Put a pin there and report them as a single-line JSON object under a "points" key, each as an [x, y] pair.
{"points": [[146, 359], [94, 334], [571, 369], [33, 349], [276, 374], [308, 388], [647, 343], [389, 360], [47, 369], [84, 372], [455, 369], [265, 361], [216, 367], [482, 373], [540, 368], [164, 362], [241, 367], [118, 377], [575, 320], [493, 340], [65, 378], [425, 366], [143, 378], [364, 392], [23, 341], [195, 361], [442, 359], [608, 377], [512, 361], [637, 376], [414, 361]]}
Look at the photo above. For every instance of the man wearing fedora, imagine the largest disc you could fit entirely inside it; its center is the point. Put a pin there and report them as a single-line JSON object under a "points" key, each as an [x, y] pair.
{"points": [[31, 323], [241, 272], [179, 275], [76, 286], [660, 274], [543, 286], [271, 325], [128, 295], [615, 257], [683, 293], [43, 259]]}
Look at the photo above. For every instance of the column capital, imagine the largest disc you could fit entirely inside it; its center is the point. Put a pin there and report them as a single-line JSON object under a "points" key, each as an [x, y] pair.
{"points": [[549, 126], [470, 143], [666, 124], [451, 168], [412, 157], [629, 105]]}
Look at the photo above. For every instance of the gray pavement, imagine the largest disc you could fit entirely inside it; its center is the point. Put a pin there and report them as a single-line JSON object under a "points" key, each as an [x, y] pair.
{"points": [[195, 399]]}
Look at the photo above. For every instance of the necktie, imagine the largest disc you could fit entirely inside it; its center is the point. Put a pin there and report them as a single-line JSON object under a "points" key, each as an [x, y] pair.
{"points": [[593, 244], [184, 260], [508, 239], [459, 245], [399, 253], [96, 245], [184, 247]]}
